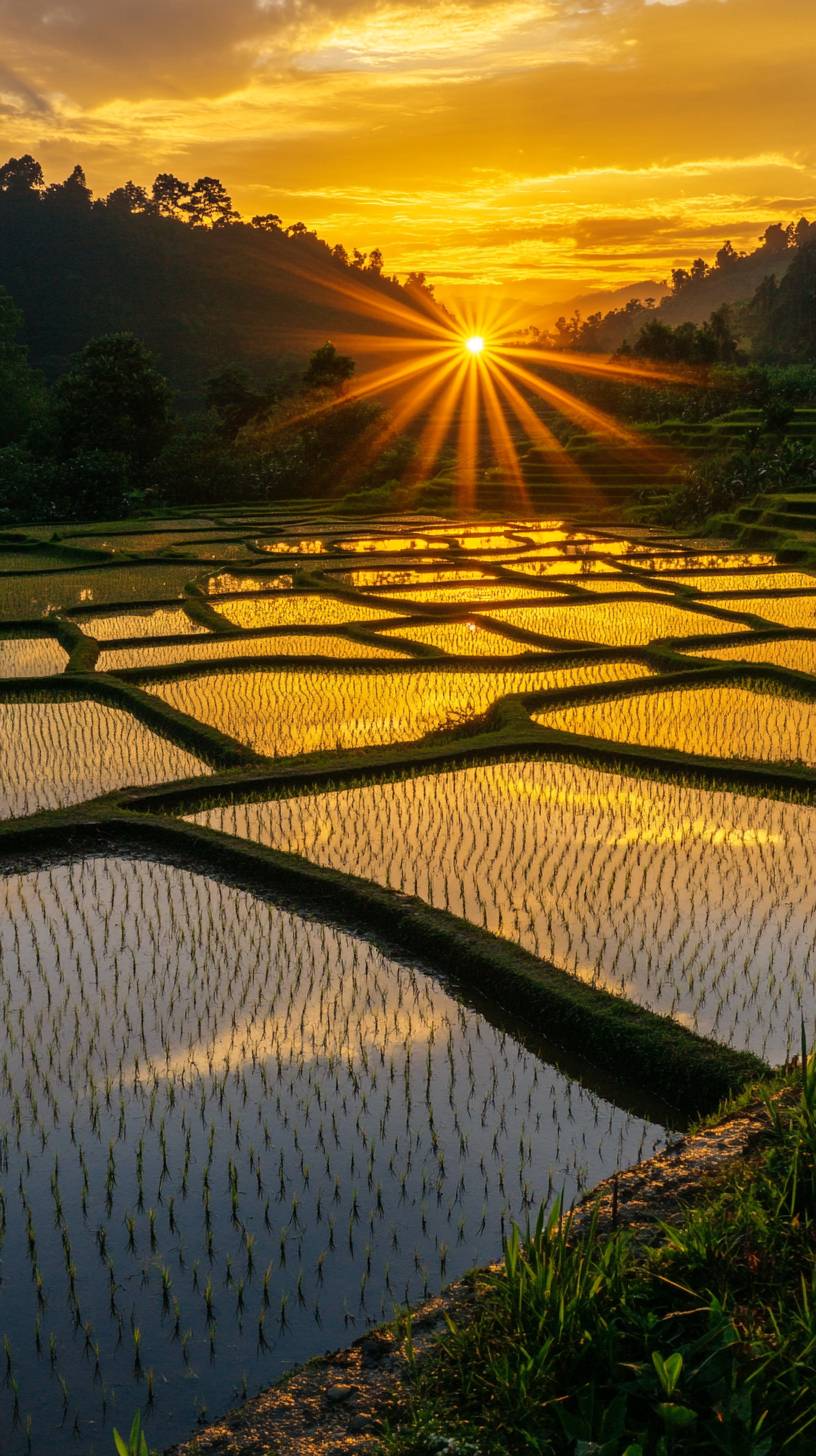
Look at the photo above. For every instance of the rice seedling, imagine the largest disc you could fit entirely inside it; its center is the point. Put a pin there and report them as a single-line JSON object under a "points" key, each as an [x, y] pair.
{"points": [[796, 612], [422, 573], [38, 595], [463, 639], [149, 622], [302, 644], [613, 623], [697, 903], [53, 755], [286, 1150], [320, 1043], [227, 582], [303, 611], [798, 653], [720, 722], [30, 656], [283, 713]]}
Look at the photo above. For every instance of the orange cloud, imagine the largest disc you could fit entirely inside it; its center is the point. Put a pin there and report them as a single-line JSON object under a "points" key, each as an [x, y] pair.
{"points": [[484, 141]]}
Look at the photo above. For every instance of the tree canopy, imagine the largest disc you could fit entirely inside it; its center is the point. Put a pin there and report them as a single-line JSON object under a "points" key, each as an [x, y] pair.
{"points": [[174, 264]]}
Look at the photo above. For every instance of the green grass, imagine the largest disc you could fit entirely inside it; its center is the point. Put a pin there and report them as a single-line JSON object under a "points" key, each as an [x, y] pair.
{"points": [[703, 1342]]}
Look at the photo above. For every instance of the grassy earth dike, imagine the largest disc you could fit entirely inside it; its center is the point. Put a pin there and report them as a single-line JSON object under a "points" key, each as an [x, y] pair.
{"points": [[671, 1312]]}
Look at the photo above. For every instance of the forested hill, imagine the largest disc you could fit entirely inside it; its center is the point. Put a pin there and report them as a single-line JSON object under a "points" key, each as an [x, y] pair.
{"points": [[178, 269], [732, 278]]}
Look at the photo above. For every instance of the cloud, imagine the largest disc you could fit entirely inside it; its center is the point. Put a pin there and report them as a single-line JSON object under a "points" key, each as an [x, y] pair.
{"points": [[18, 98], [498, 139]]}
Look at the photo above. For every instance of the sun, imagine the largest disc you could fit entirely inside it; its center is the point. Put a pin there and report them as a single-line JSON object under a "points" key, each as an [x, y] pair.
{"points": [[475, 344]]}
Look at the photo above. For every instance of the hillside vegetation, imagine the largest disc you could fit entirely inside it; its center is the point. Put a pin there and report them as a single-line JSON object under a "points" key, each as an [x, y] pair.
{"points": [[182, 272]]}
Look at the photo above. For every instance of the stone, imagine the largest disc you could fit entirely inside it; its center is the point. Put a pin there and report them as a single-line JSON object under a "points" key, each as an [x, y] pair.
{"points": [[358, 1425], [339, 1394]]}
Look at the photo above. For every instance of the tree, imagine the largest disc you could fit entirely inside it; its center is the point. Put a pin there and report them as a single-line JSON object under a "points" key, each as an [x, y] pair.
{"points": [[804, 233], [21, 176], [209, 204], [776, 239], [171, 195], [420, 282], [129, 199], [719, 334], [231, 395], [340, 254], [375, 261], [655, 341], [72, 195], [113, 399], [727, 256], [298, 230], [567, 331], [327, 369], [21, 393], [267, 222], [786, 321], [713, 343]]}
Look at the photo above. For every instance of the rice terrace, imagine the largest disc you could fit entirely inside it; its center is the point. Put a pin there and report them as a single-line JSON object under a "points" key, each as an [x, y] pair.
{"points": [[367, 885]]}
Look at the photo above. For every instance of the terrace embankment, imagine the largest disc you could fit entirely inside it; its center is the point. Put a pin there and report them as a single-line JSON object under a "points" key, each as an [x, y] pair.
{"points": [[333, 1405]]}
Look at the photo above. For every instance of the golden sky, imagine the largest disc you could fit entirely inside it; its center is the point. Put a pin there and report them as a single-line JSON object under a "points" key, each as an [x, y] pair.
{"points": [[548, 148]]}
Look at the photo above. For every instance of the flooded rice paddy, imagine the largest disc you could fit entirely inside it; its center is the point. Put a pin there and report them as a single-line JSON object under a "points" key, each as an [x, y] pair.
{"points": [[209, 1176], [153, 622], [616, 623], [298, 644], [698, 904], [233, 1135], [55, 754], [30, 656], [281, 713], [299, 611], [718, 722]]}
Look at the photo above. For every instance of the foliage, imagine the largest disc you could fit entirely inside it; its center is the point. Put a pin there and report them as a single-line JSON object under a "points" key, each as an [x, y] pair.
{"points": [[717, 483], [327, 369], [705, 1342], [136, 1443], [234, 398], [694, 294], [713, 342], [114, 398], [703, 393], [21, 391], [35, 487], [782, 317], [174, 265]]}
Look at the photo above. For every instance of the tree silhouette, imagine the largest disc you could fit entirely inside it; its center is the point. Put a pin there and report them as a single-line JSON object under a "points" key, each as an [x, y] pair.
{"points": [[727, 256], [131, 199], [21, 393], [21, 175], [71, 196], [267, 222], [170, 195], [327, 369], [232, 396], [420, 282], [209, 203], [113, 398]]}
